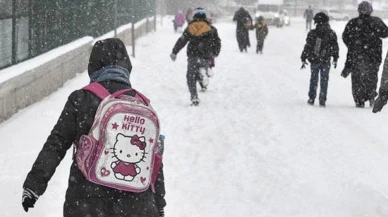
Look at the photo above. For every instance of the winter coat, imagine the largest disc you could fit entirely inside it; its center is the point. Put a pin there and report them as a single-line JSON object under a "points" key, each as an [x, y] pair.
{"points": [[243, 20], [261, 30], [321, 45], [383, 90], [84, 198], [242, 17], [179, 19], [202, 39], [308, 15], [362, 36]]}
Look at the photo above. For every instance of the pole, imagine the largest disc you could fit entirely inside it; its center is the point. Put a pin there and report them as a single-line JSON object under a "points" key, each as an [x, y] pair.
{"points": [[133, 28], [115, 19], [14, 36]]}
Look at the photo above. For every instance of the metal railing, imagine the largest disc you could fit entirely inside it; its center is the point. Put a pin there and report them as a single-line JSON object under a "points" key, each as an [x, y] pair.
{"points": [[29, 28]]}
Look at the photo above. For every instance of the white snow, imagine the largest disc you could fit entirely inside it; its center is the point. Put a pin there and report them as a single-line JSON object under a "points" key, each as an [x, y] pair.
{"points": [[252, 148]]}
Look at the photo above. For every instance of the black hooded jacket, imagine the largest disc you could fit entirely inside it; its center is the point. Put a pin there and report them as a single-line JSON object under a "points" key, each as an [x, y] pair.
{"points": [[362, 36], [321, 45], [202, 38], [75, 120], [242, 16]]}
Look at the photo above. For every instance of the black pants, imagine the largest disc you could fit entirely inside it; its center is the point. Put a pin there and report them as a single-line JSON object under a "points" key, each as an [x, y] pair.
{"points": [[243, 39], [193, 65], [364, 81], [308, 25], [260, 45]]}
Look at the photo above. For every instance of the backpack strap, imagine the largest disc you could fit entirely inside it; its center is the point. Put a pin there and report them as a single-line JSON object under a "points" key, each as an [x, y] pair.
{"points": [[138, 95], [97, 89], [100, 91]]}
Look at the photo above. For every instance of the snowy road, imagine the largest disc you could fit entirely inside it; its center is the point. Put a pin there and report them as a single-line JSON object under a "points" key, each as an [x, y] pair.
{"points": [[252, 148]]}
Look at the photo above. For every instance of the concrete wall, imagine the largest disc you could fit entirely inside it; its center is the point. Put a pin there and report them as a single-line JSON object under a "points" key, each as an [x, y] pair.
{"points": [[37, 82]]}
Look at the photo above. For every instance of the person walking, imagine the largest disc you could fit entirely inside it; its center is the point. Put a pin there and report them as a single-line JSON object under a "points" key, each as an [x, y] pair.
{"points": [[261, 33], [382, 98], [203, 45], [179, 21], [362, 36], [308, 16], [321, 45], [244, 24], [109, 66]]}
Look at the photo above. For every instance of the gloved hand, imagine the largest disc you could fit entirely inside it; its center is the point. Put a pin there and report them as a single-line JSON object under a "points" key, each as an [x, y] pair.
{"points": [[304, 64], [29, 199], [161, 212], [173, 56], [335, 64], [379, 104]]}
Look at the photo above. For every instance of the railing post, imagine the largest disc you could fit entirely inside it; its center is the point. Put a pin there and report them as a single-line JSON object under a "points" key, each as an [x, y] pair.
{"points": [[14, 35]]}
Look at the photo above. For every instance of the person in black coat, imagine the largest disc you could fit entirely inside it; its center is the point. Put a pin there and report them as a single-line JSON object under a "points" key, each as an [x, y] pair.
{"points": [[244, 24], [261, 33], [321, 45], [308, 15], [382, 98], [203, 45], [362, 36], [109, 64]]}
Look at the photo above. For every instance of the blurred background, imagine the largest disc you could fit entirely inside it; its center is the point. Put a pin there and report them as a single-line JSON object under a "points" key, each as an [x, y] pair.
{"points": [[29, 28]]}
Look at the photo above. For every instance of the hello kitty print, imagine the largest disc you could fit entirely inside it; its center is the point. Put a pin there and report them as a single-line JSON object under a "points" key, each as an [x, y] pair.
{"points": [[126, 158]]}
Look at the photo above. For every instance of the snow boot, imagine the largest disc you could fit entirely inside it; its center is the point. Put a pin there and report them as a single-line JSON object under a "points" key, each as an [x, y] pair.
{"points": [[322, 103], [360, 104], [203, 78], [310, 102], [371, 102], [195, 102]]}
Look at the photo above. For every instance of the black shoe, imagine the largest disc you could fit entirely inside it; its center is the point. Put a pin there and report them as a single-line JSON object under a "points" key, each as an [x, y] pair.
{"points": [[322, 103], [371, 102], [194, 102], [310, 101], [360, 104], [203, 89]]}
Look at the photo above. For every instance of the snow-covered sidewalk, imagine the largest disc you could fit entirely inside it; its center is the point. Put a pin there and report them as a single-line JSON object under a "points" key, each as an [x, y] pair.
{"points": [[252, 148]]}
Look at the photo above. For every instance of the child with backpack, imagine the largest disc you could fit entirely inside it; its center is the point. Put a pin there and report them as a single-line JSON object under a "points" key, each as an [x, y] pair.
{"points": [[203, 45], [321, 45], [261, 33], [116, 168]]}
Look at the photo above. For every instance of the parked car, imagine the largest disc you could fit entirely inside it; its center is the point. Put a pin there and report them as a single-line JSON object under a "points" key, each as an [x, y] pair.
{"points": [[272, 11], [335, 14]]}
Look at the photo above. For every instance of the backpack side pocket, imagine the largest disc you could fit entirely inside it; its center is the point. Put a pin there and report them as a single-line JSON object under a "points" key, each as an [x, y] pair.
{"points": [[86, 152]]}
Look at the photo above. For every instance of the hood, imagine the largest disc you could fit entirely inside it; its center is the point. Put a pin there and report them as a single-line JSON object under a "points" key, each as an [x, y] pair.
{"points": [[109, 52], [199, 28]]}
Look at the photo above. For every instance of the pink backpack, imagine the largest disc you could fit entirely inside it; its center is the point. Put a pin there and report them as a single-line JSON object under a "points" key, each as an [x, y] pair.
{"points": [[120, 150]]}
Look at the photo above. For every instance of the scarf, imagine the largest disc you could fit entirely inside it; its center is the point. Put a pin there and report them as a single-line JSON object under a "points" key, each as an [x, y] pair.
{"points": [[111, 73]]}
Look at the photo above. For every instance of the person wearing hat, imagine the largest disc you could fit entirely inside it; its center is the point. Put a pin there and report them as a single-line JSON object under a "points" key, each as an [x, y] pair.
{"points": [[308, 15], [321, 45], [244, 23], [261, 29], [362, 36], [110, 66], [203, 45]]}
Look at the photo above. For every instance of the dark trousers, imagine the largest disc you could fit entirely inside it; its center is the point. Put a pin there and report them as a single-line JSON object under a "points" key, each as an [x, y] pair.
{"points": [[308, 25], [317, 69], [193, 65], [364, 81], [243, 39], [260, 45]]}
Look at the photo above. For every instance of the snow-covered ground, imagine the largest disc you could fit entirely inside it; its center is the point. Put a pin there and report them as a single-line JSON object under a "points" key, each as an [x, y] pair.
{"points": [[252, 148]]}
